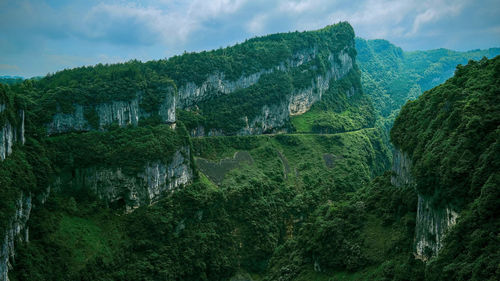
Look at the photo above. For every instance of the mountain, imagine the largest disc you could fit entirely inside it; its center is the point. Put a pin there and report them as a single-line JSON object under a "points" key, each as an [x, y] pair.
{"points": [[391, 76], [267, 160], [10, 80], [450, 137]]}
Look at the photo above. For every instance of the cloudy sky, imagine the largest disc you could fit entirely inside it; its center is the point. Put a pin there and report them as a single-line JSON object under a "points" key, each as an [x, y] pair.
{"points": [[42, 36]]}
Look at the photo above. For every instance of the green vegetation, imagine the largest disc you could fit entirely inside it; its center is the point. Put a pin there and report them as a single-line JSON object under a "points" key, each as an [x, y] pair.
{"points": [[391, 76], [454, 143], [343, 108], [93, 85], [11, 80], [216, 230], [313, 204], [254, 55], [10, 104], [127, 148], [452, 135], [231, 112]]}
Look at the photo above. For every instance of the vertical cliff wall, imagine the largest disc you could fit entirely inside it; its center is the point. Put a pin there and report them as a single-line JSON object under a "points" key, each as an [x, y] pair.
{"points": [[216, 83], [10, 134], [432, 221], [432, 224], [120, 189], [273, 115], [122, 113], [16, 232], [15, 229]]}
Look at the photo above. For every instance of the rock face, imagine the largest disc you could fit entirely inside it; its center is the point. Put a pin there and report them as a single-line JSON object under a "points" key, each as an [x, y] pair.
{"points": [[122, 113], [432, 221], [273, 117], [432, 224], [123, 190], [16, 232], [401, 169], [16, 229], [216, 84], [9, 134]]}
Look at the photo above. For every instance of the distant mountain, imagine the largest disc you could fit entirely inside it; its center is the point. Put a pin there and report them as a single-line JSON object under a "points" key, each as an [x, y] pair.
{"points": [[391, 76], [10, 80]]}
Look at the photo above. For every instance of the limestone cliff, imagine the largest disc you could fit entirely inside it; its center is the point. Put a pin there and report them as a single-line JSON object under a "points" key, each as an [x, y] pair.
{"points": [[432, 221], [272, 117], [17, 231], [10, 134], [12, 131], [122, 113], [216, 84], [401, 169], [432, 224], [119, 189]]}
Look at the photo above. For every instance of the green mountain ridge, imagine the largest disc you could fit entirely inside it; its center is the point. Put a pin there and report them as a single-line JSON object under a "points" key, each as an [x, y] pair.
{"points": [[268, 160]]}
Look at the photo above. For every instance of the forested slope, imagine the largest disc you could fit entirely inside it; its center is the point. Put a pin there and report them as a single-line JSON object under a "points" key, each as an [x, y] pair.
{"points": [[391, 76], [451, 135], [261, 161]]}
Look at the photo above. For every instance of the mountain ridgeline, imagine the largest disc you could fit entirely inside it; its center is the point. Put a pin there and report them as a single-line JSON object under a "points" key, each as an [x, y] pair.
{"points": [[266, 160]]}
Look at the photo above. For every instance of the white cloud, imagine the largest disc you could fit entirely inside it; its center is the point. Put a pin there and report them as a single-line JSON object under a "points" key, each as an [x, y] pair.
{"points": [[109, 30], [434, 11], [257, 24]]}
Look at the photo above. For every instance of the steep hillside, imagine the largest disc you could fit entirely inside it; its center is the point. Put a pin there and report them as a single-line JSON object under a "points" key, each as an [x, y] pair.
{"points": [[391, 76], [107, 140], [257, 86], [450, 136], [261, 161], [269, 190]]}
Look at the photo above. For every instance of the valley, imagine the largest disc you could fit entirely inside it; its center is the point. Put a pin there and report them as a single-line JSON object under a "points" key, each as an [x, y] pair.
{"points": [[308, 155]]}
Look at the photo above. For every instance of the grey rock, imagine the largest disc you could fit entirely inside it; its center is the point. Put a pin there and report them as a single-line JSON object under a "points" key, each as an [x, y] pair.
{"points": [[122, 113], [16, 232], [113, 186], [10, 135], [217, 84], [432, 221], [401, 168], [272, 117], [432, 224]]}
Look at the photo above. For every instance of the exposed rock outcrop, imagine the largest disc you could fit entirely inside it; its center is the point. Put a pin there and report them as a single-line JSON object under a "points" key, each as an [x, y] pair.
{"points": [[9, 134], [122, 113], [401, 169], [131, 191], [272, 117], [16, 229], [15, 232], [432, 221], [432, 224], [217, 84]]}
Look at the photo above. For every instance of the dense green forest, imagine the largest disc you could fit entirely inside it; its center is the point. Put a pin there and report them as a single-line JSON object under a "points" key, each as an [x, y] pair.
{"points": [[311, 202], [455, 150], [391, 76]]}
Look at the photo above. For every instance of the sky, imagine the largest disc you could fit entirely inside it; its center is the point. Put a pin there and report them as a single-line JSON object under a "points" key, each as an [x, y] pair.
{"points": [[43, 36]]}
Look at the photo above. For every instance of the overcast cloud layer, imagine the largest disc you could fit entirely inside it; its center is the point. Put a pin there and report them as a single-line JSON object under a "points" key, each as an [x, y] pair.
{"points": [[42, 36]]}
